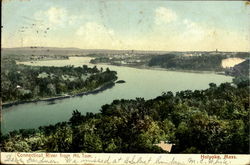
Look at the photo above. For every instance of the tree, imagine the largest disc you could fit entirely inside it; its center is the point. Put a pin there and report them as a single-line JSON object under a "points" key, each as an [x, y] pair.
{"points": [[76, 118]]}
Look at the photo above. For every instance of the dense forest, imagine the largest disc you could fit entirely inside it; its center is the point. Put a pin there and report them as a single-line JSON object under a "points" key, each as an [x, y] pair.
{"points": [[214, 120], [22, 82], [198, 61], [123, 60], [203, 62]]}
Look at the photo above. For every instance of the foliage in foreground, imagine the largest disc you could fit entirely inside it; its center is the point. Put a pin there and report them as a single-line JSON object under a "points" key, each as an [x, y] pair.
{"points": [[215, 120]]}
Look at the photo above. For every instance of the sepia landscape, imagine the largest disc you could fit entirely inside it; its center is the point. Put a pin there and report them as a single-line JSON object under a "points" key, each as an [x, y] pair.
{"points": [[125, 77]]}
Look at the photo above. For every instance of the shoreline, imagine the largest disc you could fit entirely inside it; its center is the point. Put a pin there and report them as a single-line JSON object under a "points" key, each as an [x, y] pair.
{"points": [[105, 86], [165, 69], [137, 67], [97, 90], [177, 70]]}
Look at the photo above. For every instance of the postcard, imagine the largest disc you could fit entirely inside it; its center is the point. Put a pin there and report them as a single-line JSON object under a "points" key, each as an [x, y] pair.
{"points": [[125, 82]]}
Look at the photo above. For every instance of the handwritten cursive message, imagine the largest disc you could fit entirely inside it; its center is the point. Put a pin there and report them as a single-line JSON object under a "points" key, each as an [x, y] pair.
{"points": [[122, 159]]}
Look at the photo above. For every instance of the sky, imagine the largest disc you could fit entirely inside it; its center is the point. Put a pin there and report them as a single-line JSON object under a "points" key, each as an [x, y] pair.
{"points": [[127, 24]]}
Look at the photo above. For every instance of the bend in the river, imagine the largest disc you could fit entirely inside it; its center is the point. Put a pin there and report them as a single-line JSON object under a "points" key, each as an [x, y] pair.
{"points": [[144, 83]]}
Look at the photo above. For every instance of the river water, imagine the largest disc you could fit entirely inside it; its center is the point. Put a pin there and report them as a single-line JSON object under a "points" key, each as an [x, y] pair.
{"points": [[144, 83]]}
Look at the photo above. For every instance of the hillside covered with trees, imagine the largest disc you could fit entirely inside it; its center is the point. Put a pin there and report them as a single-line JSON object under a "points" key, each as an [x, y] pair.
{"points": [[194, 61], [214, 120], [203, 62], [24, 83], [240, 70]]}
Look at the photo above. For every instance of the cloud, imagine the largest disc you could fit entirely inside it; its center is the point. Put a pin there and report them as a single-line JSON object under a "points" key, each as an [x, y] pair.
{"points": [[164, 15], [188, 35], [57, 16], [94, 29], [96, 35], [166, 34], [199, 36], [52, 16], [193, 30]]}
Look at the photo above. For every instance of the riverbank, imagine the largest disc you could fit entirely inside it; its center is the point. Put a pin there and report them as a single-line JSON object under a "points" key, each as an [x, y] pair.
{"points": [[137, 66], [105, 86], [176, 70], [147, 84], [165, 69]]}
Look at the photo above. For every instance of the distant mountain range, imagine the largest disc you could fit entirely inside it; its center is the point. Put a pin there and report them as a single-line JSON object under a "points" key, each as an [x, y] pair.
{"points": [[34, 50], [70, 51]]}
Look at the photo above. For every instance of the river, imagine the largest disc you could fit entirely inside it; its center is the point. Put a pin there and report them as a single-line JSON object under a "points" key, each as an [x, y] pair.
{"points": [[144, 83]]}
